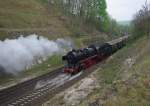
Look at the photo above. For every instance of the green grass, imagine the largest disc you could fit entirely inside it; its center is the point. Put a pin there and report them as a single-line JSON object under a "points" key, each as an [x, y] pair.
{"points": [[51, 63], [121, 85], [28, 14], [21, 14]]}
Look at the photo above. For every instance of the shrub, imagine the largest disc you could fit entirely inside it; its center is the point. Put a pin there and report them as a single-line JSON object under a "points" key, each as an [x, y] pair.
{"points": [[141, 22]]}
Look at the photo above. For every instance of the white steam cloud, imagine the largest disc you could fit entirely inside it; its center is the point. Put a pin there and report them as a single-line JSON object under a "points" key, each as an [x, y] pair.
{"points": [[19, 54]]}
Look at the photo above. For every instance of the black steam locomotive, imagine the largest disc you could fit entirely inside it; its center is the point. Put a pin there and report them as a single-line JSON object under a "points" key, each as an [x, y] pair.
{"points": [[82, 59]]}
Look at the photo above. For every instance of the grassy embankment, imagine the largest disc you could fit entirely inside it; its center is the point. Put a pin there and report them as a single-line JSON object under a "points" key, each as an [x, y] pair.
{"points": [[37, 16], [30, 16], [125, 77]]}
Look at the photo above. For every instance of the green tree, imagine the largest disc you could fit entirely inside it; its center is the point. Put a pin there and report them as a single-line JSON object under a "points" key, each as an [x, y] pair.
{"points": [[90, 12], [141, 22]]}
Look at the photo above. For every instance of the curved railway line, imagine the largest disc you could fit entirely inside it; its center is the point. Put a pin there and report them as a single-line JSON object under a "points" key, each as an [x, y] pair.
{"points": [[36, 91], [14, 92]]}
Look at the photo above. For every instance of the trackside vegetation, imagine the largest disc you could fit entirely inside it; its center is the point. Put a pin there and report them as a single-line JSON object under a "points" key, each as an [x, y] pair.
{"points": [[124, 78], [141, 22]]}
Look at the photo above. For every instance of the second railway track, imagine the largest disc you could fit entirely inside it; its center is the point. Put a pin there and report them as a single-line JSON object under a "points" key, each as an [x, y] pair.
{"points": [[23, 88], [39, 90]]}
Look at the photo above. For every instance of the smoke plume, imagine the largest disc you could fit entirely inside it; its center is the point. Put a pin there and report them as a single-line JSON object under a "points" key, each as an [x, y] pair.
{"points": [[19, 54]]}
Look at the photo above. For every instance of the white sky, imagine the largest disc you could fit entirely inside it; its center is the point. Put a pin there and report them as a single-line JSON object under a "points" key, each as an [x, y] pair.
{"points": [[123, 10]]}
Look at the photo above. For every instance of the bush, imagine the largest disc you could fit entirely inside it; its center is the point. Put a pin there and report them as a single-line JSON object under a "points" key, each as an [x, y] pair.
{"points": [[141, 22], [115, 29]]}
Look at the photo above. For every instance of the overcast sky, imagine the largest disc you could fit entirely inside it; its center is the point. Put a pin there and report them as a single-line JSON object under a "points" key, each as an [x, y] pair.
{"points": [[123, 10]]}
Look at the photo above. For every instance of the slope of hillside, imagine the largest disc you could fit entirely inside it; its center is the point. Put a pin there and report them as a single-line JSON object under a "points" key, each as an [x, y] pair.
{"points": [[29, 16], [41, 17], [123, 80], [21, 14]]}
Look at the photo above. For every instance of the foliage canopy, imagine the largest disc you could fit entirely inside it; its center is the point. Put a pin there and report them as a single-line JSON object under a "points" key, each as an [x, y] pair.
{"points": [[89, 11]]}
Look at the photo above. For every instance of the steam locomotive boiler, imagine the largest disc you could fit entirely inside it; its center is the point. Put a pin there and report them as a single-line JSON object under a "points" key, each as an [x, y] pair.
{"points": [[82, 59]]}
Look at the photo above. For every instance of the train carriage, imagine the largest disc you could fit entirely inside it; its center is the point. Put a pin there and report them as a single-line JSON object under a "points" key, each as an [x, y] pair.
{"points": [[81, 59]]}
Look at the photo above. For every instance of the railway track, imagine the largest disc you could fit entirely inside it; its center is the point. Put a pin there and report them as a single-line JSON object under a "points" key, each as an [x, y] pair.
{"points": [[39, 90], [21, 89], [35, 91]]}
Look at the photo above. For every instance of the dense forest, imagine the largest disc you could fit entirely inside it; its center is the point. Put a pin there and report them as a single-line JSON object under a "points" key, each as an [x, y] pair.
{"points": [[90, 12]]}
